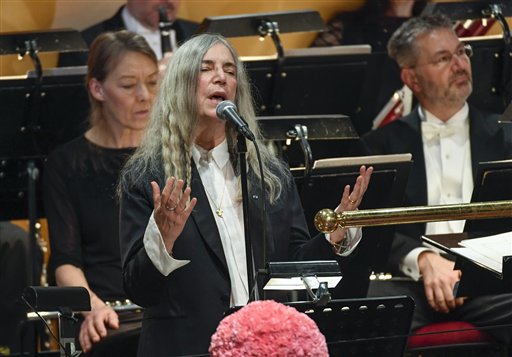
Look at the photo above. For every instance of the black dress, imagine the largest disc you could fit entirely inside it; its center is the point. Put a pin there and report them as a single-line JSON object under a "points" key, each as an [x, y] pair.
{"points": [[80, 181]]}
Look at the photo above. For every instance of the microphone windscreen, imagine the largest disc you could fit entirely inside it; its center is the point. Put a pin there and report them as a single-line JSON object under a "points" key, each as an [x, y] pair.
{"points": [[222, 106]]}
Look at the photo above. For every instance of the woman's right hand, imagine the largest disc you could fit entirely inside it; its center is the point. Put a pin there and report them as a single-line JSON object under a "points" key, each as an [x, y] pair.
{"points": [[172, 209], [94, 327]]}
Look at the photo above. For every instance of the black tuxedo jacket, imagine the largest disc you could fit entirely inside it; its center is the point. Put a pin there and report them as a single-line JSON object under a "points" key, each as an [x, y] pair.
{"points": [[182, 310], [489, 141], [184, 30]]}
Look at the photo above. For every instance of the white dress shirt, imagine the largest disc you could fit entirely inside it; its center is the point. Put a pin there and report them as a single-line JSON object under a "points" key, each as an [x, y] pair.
{"points": [[447, 151], [221, 186], [152, 36]]}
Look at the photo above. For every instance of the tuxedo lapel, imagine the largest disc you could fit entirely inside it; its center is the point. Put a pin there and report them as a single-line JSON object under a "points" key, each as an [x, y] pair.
{"points": [[413, 143], [204, 220]]}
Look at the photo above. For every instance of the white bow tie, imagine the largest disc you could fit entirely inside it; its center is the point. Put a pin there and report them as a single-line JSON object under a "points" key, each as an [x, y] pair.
{"points": [[431, 131]]}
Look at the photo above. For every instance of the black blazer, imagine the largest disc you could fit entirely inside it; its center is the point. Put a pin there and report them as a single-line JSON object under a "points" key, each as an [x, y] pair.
{"points": [[184, 30], [183, 309], [489, 141]]}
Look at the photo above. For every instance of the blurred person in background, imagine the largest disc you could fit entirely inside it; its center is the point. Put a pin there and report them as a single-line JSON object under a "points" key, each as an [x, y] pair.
{"points": [[80, 179], [372, 24], [141, 17]]}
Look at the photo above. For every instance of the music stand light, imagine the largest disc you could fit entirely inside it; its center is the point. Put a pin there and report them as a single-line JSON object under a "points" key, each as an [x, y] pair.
{"points": [[61, 40], [302, 128], [250, 24], [32, 43], [305, 275], [264, 24], [464, 10]]}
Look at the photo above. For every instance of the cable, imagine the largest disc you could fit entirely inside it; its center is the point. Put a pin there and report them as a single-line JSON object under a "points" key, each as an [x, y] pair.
{"points": [[66, 353]]}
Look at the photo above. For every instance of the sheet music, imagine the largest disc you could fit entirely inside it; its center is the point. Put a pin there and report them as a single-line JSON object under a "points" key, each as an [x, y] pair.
{"points": [[359, 160], [488, 251]]}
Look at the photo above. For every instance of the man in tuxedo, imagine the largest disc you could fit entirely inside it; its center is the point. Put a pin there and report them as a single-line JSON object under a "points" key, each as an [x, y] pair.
{"points": [[447, 138], [142, 17]]}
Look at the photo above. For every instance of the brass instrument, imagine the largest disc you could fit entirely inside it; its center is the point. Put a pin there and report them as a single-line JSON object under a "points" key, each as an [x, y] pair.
{"points": [[328, 221]]}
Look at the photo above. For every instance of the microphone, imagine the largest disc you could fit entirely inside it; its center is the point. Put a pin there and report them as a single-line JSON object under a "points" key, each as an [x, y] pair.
{"points": [[164, 25], [227, 111]]}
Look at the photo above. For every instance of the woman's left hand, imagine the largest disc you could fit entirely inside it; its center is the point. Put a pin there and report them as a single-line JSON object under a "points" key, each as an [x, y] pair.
{"points": [[350, 200], [172, 207]]}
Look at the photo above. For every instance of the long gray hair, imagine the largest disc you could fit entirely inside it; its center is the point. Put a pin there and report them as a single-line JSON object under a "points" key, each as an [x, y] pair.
{"points": [[170, 133]]}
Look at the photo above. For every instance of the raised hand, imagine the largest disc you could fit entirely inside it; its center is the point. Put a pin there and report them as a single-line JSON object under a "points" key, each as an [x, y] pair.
{"points": [[172, 209], [350, 200]]}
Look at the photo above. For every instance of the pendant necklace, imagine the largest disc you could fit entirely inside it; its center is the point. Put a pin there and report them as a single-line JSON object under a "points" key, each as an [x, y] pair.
{"points": [[218, 210]]}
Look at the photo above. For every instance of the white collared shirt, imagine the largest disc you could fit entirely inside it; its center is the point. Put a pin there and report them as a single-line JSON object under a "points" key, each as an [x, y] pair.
{"points": [[152, 36], [449, 176], [221, 186], [448, 167]]}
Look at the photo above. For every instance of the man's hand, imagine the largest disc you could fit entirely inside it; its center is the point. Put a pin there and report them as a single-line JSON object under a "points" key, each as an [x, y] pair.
{"points": [[95, 325], [439, 279]]}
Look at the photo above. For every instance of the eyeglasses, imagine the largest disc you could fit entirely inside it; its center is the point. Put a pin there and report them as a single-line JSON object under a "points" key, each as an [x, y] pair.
{"points": [[444, 59]]}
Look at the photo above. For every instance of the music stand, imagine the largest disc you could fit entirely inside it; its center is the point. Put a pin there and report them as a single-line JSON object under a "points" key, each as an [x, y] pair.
{"points": [[477, 278], [66, 300], [314, 81], [493, 182], [464, 10], [264, 24], [22, 142], [363, 327], [60, 40], [324, 189], [306, 129], [492, 68], [303, 275], [35, 108], [33, 43]]}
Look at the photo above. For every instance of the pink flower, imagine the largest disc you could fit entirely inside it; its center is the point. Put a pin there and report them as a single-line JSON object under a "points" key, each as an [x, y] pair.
{"points": [[268, 328]]}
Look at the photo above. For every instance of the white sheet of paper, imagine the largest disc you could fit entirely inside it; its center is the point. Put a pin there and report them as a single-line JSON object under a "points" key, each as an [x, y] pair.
{"points": [[487, 250]]}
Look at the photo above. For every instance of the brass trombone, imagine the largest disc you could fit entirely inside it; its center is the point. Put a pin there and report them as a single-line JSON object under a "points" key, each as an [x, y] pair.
{"points": [[328, 221]]}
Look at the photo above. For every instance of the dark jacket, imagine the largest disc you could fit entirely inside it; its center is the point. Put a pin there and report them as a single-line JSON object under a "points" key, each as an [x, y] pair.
{"points": [[489, 141], [184, 30], [182, 310]]}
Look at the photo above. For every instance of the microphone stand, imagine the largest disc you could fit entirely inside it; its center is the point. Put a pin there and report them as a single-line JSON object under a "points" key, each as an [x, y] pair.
{"points": [[242, 150]]}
